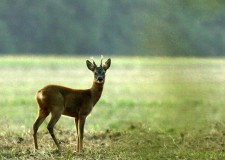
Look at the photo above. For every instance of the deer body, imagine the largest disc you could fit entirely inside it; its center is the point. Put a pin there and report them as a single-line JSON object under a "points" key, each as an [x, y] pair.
{"points": [[60, 100], [71, 101]]}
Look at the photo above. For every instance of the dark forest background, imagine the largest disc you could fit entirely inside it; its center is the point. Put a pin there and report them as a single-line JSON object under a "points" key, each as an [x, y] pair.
{"points": [[133, 27]]}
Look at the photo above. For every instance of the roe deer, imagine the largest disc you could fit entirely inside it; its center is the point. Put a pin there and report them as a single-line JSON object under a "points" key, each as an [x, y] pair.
{"points": [[77, 103]]}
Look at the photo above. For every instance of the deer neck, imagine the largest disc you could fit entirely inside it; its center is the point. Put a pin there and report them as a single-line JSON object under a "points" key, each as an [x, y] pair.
{"points": [[96, 91]]}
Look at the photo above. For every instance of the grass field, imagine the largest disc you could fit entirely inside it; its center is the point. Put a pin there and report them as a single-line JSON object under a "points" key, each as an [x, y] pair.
{"points": [[151, 108]]}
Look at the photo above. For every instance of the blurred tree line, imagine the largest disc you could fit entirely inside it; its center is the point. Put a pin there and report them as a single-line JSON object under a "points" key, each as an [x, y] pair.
{"points": [[133, 27]]}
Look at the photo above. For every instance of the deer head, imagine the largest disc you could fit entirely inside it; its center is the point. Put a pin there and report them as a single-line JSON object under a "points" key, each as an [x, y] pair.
{"points": [[99, 72]]}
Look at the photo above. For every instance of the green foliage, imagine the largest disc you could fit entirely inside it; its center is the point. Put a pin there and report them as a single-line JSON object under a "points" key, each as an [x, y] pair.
{"points": [[5, 40], [156, 27]]}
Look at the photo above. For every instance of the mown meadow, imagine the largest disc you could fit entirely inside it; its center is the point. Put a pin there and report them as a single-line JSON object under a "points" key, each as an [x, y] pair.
{"points": [[151, 108]]}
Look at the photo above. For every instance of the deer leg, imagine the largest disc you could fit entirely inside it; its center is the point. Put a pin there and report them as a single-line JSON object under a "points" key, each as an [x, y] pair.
{"points": [[81, 123], [76, 124], [51, 124], [40, 119]]}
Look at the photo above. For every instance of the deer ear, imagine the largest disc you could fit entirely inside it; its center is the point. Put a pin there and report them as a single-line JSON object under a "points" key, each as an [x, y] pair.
{"points": [[107, 64], [90, 65]]}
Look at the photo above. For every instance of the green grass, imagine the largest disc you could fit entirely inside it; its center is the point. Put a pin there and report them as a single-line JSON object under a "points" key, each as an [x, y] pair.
{"points": [[151, 108]]}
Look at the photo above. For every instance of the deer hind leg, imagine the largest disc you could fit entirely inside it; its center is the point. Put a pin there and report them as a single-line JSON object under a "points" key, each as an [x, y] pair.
{"points": [[42, 114], [54, 119]]}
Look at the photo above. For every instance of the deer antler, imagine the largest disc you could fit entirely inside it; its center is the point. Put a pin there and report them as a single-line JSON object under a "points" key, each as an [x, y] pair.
{"points": [[101, 60], [92, 58]]}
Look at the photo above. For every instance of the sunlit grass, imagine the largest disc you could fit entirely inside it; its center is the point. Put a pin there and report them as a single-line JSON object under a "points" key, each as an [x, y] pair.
{"points": [[161, 92], [160, 98]]}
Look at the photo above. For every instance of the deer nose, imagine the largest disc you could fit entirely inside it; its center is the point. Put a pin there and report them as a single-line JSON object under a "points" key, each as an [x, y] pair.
{"points": [[100, 79]]}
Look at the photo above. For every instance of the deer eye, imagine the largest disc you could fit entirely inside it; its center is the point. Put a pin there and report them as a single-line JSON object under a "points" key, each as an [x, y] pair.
{"points": [[96, 73]]}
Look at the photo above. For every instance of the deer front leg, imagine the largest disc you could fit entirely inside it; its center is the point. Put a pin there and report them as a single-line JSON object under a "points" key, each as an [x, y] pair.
{"points": [[76, 124], [81, 122]]}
